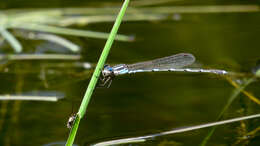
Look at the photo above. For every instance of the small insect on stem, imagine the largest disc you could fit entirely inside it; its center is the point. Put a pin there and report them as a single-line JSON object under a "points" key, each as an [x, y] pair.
{"points": [[71, 121]]}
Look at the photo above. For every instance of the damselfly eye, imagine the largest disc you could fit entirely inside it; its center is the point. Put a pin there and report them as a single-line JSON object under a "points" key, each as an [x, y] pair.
{"points": [[107, 67], [110, 69]]}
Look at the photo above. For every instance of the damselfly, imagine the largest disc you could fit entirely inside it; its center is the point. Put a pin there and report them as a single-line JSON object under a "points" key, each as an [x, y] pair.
{"points": [[174, 63]]}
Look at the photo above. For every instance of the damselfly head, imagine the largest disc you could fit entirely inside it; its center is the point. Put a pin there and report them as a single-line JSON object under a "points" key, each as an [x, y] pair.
{"points": [[107, 71]]}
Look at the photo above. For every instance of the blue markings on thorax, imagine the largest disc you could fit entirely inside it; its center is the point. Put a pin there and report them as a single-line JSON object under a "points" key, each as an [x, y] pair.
{"points": [[120, 69], [109, 68]]}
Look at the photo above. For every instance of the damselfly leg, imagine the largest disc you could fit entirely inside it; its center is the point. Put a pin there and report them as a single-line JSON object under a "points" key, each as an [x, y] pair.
{"points": [[105, 82], [106, 77]]}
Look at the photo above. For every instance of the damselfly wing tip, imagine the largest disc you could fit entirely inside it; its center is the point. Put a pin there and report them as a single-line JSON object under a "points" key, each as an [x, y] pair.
{"points": [[190, 56]]}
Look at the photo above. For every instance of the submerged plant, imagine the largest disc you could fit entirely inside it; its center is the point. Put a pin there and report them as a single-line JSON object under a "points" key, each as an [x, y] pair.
{"points": [[56, 20], [239, 89], [174, 131]]}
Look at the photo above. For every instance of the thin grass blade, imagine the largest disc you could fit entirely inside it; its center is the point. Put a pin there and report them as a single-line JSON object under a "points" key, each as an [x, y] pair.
{"points": [[11, 39], [234, 95], [68, 31], [174, 131]]}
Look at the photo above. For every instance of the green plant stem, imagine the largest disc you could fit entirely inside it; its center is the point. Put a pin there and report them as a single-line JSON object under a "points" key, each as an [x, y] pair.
{"points": [[95, 76]]}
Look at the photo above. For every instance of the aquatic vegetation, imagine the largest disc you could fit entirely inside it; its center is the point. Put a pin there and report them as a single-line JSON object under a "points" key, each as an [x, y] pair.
{"points": [[13, 57], [29, 98], [50, 38], [174, 131], [55, 20], [247, 136], [136, 104], [234, 95], [44, 21]]}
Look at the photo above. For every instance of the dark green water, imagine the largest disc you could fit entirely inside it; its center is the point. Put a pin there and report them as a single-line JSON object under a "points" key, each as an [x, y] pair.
{"points": [[143, 103]]}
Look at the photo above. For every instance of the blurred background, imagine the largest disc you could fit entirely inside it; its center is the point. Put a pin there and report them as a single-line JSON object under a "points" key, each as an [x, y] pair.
{"points": [[220, 34]]}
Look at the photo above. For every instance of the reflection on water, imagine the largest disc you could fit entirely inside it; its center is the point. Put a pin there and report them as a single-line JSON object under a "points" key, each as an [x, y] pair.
{"points": [[142, 103]]}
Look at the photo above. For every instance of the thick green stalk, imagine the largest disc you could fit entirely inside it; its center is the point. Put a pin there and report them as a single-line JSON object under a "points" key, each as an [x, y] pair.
{"points": [[95, 76]]}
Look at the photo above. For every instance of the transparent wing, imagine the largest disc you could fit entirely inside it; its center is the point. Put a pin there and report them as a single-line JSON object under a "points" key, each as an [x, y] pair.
{"points": [[174, 61]]}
